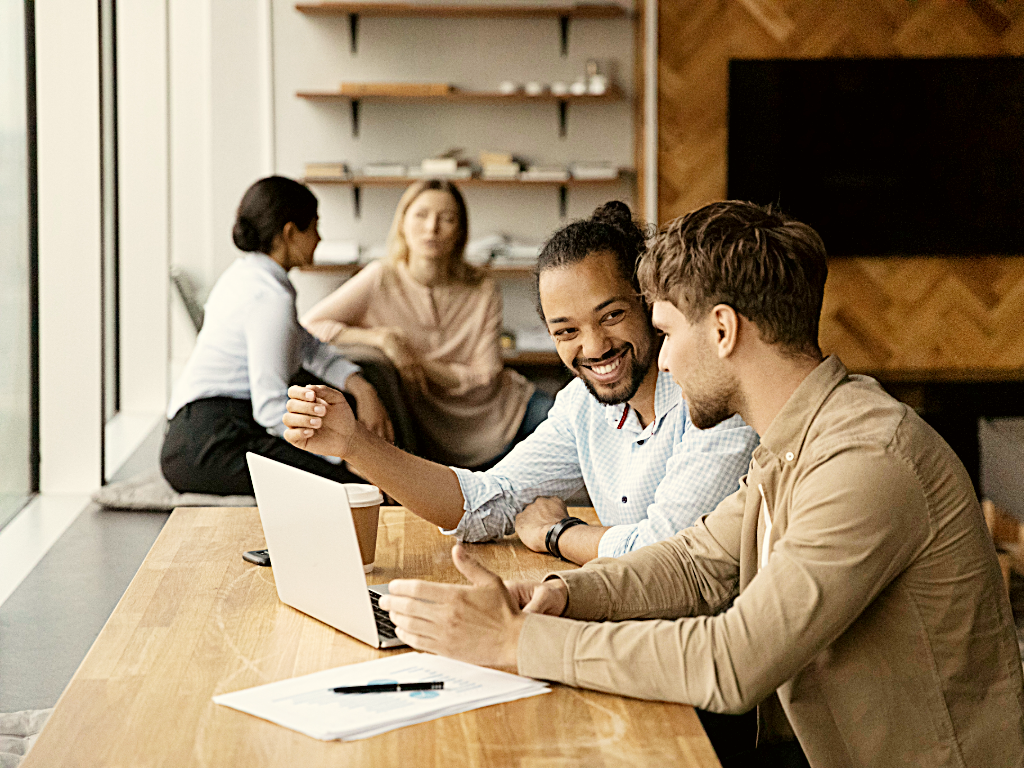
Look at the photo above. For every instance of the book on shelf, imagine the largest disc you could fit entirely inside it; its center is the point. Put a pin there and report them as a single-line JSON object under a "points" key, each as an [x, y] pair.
{"points": [[394, 89], [336, 252], [500, 170], [461, 172], [384, 169], [326, 170], [545, 173], [439, 165], [593, 171]]}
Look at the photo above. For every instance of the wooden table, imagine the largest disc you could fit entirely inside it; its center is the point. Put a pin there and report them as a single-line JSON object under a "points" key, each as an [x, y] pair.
{"points": [[198, 621]]}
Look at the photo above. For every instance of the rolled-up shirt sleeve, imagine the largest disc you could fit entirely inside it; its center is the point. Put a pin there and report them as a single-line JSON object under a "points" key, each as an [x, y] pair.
{"points": [[706, 466], [544, 464]]}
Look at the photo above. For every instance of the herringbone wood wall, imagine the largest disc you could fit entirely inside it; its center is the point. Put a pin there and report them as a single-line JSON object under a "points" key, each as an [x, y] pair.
{"points": [[899, 317]]}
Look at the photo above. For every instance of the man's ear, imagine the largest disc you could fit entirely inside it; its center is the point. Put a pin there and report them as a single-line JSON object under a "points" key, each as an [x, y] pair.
{"points": [[288, 231], [725, 324]]}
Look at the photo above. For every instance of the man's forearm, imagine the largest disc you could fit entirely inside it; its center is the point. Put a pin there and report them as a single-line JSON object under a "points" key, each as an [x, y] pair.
{"points": [[580, 542], [429, 490]]}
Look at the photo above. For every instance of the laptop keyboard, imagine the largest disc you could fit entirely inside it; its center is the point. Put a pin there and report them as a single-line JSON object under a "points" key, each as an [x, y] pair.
{"points": [[385, 627]]}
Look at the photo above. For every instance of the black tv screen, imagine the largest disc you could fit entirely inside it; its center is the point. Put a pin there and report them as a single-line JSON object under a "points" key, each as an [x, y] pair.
{"points": [[885, 156]]}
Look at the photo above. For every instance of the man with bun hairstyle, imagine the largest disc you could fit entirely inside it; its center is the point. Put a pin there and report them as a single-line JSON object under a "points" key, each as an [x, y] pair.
{"points": [[849, 588], [620, 429]]}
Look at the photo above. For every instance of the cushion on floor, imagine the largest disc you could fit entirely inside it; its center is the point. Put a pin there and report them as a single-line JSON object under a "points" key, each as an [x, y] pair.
{"points": [[151, 492], [18, 731]]}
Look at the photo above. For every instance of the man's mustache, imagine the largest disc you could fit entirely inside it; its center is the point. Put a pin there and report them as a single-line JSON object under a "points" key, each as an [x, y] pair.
{"points": [[598, 360]]}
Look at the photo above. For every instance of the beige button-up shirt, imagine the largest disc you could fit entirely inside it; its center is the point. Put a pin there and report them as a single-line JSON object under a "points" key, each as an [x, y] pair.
{"points": [[878, 619]]}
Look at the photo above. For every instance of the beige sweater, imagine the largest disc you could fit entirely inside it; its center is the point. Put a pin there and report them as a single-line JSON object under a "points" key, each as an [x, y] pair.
{"points": [[457, 325], [872, 608]]}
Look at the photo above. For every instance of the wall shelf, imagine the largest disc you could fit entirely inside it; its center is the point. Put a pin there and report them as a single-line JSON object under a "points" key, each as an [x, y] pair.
{"points": [[455, 95], [351, 269], [563, 186], [486, 11]]}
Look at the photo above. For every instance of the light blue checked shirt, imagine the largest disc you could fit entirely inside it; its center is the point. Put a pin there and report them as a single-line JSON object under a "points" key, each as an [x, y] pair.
{"points": [[646, 483]]}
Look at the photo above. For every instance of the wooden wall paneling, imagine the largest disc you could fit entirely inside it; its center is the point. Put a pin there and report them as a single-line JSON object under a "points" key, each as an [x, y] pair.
{"points": [[934, 317]]}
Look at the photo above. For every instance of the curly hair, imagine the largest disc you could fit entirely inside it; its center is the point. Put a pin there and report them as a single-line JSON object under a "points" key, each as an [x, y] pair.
{"points": [[611, 228], [768, 267]]}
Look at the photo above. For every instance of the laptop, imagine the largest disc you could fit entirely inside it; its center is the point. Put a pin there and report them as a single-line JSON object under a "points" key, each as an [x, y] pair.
{"points": [[314, 551]]}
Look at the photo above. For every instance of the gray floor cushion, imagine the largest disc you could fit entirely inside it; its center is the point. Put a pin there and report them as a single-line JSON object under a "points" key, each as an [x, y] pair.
{"points": [[18, 731], [150, 492]]}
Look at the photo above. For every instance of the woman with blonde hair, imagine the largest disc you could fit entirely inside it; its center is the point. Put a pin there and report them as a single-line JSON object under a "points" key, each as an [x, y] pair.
{"points": [[438, 320]]}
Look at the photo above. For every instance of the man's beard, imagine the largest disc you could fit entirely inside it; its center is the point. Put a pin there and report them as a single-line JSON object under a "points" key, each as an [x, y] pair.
{"points": [[715, 398], [639, 363]]}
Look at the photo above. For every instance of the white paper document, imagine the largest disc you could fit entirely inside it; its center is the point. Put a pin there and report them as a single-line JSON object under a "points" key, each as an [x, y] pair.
{"points": [[308, 705]]}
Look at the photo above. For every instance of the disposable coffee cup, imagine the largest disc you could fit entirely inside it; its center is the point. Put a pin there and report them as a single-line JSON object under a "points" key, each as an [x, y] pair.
{"points": [[365, 501]]}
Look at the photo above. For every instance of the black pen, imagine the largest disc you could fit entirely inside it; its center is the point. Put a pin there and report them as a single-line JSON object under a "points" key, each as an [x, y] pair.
{"points": [[390, 687]]}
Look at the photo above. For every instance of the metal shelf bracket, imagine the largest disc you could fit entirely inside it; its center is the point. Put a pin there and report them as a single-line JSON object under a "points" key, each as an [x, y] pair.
{"points": [[563, 201], [353, 32], [563, 23], [563, 118], [355, 118]]}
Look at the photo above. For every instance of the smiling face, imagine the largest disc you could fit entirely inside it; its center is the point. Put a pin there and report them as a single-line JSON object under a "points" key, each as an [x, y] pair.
{"points": [[431, 226], [600, 326], [688, 353]]}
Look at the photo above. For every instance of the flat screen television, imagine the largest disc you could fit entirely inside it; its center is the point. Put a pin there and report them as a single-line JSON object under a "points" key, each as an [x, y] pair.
{"points": [[885, 156]]}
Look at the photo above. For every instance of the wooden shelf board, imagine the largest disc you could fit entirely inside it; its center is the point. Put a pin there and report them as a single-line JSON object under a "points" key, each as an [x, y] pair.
{"points": [[612, 94], [351, 269], [574, 11], [401, 181]]}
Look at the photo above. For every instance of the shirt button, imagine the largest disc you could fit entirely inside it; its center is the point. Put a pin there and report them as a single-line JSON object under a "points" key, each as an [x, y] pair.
{"points": [[789, 456], [623, 499], [639, 442]]}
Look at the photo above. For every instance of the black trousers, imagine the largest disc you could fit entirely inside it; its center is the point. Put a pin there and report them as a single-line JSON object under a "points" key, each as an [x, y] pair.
{"points": [[206, 442]]}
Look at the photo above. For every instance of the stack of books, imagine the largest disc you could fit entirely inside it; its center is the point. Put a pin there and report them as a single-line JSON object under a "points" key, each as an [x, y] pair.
{"points": [[545, 173], [441, 167], [498, 165], [336, 252], [594, 171], [326, 170]]}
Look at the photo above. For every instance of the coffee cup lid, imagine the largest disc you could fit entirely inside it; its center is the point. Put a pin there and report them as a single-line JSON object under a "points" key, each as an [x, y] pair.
{"points": [[363, 495]]}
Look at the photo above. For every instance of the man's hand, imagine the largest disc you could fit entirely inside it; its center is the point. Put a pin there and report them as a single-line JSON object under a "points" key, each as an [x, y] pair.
{"points": [[548, 597], [479, 623], [319, 420], [536, 519], [370, 411]]}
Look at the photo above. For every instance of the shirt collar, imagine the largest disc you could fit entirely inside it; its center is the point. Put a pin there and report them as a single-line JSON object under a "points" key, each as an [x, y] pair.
{"points": [[785, 435], [266, 264], [666, 397]]}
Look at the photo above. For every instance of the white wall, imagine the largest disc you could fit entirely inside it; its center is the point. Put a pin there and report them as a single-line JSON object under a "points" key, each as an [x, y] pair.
{"points": [[219, 136], [143, 202], [67, 72]]}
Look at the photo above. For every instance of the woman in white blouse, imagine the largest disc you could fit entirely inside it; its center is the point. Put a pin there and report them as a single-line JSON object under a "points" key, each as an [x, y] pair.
{"points": [[232, 394], [438, 319]]}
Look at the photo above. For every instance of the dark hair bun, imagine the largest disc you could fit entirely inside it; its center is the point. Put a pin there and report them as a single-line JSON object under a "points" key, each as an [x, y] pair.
{"points": [[616, 213], [245, 235]]}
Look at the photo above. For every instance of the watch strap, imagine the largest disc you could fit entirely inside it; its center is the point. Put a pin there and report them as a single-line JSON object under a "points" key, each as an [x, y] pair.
{"points": [[555, 533]]}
